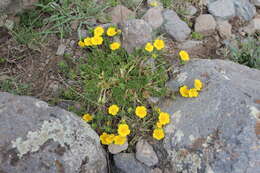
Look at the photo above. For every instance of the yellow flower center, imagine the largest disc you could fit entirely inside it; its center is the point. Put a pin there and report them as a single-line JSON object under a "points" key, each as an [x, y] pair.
{"points": [[164, 118], [184, 55], [158, 134], [87, 117], [98, 31], [96, 40], [111, 31], [113, 110], [149, 47], [87, 41], [198, 84], [141, 111], [159, 44], [123, 130], [114, 46]]}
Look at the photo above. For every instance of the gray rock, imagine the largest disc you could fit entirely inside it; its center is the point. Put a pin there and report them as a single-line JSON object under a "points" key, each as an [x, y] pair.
{"points": [[223, 9], [256, 3], [136, 33], [38, 138], [218, 131], [175, 27], [145, 153], [244, 9], [191, 10], [61, 49], [252, 27], [190, 44], [226, 9], [120, 14], [154, 17], [224, 29], [156, 170], [14, 6], [126, 163], [205, 24], [115, 149]]}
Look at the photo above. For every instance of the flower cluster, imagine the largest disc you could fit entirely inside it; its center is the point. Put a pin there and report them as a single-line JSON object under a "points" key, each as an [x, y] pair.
{"points": [[163, 119], [193, 92], [97, 39], [158, 44]]}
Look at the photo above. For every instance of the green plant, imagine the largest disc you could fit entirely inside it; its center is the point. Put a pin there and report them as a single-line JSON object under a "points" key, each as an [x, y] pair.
{"points": [[197, 36], [247, 52], [11, 86], [108, 77]]}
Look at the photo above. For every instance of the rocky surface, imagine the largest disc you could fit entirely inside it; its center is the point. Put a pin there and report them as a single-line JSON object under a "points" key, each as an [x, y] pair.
{"points": [[224, 29], [226, 9], [115, 149], [136, 33], [120, 14], [145, 153], [252, 27], [14, 6], [38, 138], [218, 131], [154, 17], [127, 163], [256, 2], [175, 27], [205, 24]]}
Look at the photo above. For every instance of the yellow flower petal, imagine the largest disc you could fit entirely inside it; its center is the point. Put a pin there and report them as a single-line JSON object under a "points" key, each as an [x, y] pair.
{"points": [[81, 44], [120, 140], [123, 130], [98, 31], [184, 55], [158, 134], [113, 110], [198, 84], [164, 118], [184, 91], [87, 41], [193, 92], [87, 117], [149, 47], [111, 31], [141, 111], [159, 44], [114, 46], [96, 40]]}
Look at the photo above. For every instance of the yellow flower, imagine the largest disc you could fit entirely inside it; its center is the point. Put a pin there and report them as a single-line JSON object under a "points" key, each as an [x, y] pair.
{"points": [[154, 4], [107, 139], [149, 47], [141, 111], [97, 40], [184, 55], [164, 118], [158, 134], [81, 43], [87, 117], [159, 125], [111, 31], [123, 130], [113, 110], [98, 31], [87, 41], [184, 91], [193, 93], [159, 44], [114, 46], [119, 140], [198, 84]]}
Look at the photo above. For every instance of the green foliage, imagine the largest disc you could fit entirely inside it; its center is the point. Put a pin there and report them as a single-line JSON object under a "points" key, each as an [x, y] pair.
{"points": [[247, 52], [2, 60], [197, 36], [11, 86], [105, 77]]}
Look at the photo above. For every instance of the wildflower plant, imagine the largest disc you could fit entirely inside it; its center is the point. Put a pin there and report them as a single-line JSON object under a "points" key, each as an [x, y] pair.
{"points": [[114, 86]]}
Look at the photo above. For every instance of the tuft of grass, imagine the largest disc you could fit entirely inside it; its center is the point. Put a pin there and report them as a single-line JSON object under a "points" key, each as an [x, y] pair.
{"points": [[12, 86], [247, 52], [197, 36]]}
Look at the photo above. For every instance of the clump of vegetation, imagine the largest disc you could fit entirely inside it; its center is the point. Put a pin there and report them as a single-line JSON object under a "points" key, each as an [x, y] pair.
{"points": [[197, 36], [114, 87], [247, 52]]}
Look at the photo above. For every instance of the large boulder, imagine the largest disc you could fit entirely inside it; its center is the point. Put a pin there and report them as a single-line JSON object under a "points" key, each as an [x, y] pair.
{"points": [[14, 6], [136, 33], [219, 131], [38, 138]]}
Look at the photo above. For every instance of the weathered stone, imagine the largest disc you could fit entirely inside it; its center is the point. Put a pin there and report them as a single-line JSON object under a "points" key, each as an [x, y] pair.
{"points": [[256, 2], [126, 163], [218, 131], [226, 9], [190, 10], [154, 17], [156, 170], [61, 49], [38, 138], [115, 149], [223, 9], [136, 33], [175, 27], [145, 153], [224, 29], [205, 24], [120, 14], [252, 27], [244, 9], [14, 6]]}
